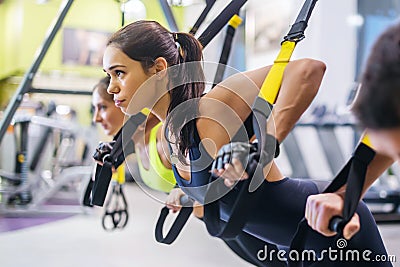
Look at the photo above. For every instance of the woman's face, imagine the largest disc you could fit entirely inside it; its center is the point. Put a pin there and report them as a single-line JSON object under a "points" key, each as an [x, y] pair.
{"points": [[127, 75], [107, 114], [386, 142]]}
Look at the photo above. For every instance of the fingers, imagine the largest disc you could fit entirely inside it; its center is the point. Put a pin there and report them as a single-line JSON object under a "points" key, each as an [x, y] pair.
{"points": [[231, 172], [173, 201], [99, 162], [223, 156], [320, 209], [228, 164], [352, 227]]}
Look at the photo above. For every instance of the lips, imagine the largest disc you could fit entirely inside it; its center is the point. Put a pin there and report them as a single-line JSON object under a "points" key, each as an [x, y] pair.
{"points": [[118, 102]]}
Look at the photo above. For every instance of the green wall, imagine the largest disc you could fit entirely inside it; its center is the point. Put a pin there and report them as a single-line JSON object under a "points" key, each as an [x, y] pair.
{"points": [[24, 24]]}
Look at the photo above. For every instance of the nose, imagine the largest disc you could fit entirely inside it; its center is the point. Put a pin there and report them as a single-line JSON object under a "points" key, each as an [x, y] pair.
{"points": [[112, 87], [96, 116]]}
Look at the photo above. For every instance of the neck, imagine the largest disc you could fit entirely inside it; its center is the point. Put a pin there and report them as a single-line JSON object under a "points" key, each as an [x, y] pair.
{"points": [[160, 108]]}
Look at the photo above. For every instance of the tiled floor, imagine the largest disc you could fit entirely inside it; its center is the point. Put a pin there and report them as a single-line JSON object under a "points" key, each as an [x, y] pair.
{"points": [[81, 241]]}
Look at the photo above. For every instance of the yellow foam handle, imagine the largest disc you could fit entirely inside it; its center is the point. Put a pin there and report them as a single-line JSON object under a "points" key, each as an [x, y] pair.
{"points": [[235, 21], [272, 83]]}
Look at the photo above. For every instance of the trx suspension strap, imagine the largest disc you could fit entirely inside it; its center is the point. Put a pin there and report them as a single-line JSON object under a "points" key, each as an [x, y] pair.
{"points": [[114, 158], [178, 224], [169, 15], [220, 21], [261, 110], [116, 208], [233, 23], [186, 202], [362, 157], [203, 15], [353, 173]]}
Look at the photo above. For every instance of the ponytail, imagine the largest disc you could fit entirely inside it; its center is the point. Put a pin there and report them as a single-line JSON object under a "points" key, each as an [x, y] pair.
{"points": [[187, 85]]}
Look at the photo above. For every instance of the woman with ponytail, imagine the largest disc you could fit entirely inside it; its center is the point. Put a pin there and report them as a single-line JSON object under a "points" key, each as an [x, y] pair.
{"points": [[150, 67]]}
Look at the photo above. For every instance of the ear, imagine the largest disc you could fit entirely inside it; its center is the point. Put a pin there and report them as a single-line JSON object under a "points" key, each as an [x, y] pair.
{"points": [[160, 65]]}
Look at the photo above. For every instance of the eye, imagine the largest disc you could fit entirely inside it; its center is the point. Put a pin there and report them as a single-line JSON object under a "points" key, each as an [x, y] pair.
{"points": [[119, 73], [102, 107]]}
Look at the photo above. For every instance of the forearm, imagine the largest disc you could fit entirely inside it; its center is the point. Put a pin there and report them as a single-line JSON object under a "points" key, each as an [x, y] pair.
{"points": [[378, 165], [300, 85]]}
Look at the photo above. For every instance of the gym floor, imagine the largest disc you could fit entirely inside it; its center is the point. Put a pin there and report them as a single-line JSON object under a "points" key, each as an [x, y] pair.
{"points": [[48, 240]]}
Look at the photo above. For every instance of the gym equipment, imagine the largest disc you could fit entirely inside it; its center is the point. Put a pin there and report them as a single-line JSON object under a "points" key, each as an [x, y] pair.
{"points": [[202, 17], [383, 197], [233, 23], [183, 216], [116, 208], [26, 83], [39, 184], [173, 26], [353, 174], [261, 110], [231, 231]]}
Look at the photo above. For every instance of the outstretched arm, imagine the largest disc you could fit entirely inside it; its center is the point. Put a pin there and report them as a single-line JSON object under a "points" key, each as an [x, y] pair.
{"points": [[301, 81], [322, 207], [230, 102]]}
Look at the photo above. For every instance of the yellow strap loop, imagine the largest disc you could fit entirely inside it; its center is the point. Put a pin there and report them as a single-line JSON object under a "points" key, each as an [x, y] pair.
{"points": [[366, 140], [119, 175], [272, 83], [235, 21], [146, 111]]}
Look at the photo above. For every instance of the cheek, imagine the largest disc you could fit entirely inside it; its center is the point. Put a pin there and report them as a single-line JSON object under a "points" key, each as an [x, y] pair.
{"points": [[116, 117]]}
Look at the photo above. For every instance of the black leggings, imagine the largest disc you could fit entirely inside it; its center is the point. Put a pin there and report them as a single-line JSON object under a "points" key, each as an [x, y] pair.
{"points": [[275, 218]]}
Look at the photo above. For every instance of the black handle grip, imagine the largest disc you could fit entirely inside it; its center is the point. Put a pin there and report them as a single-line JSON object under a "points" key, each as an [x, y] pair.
{"points": [[336, 224]]}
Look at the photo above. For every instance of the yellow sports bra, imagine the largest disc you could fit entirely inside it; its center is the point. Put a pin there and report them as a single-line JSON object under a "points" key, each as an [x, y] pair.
{"points": [[157, 177]]}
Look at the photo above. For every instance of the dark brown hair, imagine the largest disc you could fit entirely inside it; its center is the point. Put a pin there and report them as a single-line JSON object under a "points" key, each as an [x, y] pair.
{"points": [[145, 41], [378, 102]]}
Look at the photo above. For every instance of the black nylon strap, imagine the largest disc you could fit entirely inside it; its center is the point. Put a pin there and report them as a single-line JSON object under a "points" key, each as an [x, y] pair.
{"points": [[203, 15], [101, 182], [122, 142], [362, 157], [176, 227], [226, 50], [240, 208], [220, 21], [297, 30], [355, 168], [247, 196], [86, 201]]}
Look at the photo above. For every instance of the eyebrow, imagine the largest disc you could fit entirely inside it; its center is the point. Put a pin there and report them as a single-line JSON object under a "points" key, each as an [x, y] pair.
{"points": [[113, 67]]}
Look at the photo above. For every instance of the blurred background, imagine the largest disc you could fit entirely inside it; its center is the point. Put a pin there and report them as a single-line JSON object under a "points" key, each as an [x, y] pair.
{"points": [[41, 219]]}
